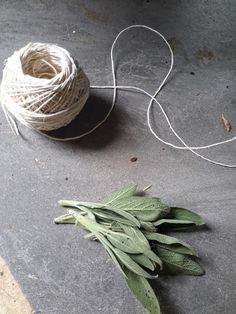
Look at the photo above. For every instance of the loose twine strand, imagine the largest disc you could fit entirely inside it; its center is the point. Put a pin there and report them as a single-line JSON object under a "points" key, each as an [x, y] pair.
{"points": [[131, 88]]}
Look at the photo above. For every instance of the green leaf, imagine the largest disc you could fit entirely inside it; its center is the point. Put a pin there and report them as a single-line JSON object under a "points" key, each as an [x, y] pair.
{"points": [[143, 260], [126, 191], [67, 203], [88, 223], [152, 255], [178, 248], [88, 212], [172, 222], [65, 219], [109, 216], [148, 215], [124, 243], [109, 250], [165, 239], [185, 214], [143, 292], [113, 209], [137, 237], [125, 215], [140, 203], [131, 264], [148, 226], [179, 263]]}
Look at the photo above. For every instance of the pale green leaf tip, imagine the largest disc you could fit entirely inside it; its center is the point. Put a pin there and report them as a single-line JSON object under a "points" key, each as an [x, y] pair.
{"points": [[201, 222], [57, 220]]}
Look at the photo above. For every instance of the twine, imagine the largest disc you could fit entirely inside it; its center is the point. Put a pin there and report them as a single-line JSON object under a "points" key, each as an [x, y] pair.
{"points": [[42, 87], [49, 90]]}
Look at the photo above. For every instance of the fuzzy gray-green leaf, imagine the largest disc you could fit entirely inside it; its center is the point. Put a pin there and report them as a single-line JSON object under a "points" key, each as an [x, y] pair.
{"points": [[172, 222], [143, 292], [153, 256], [137, 237], [185, 214], [124, 243], [148, 226], [141, 203], [148, 215], [109, 250], [126, 215], [109, 216], [126, 191], [131, 264], [178, 248], [165, 239], [65, 219], [178, 262], [143, 260]]}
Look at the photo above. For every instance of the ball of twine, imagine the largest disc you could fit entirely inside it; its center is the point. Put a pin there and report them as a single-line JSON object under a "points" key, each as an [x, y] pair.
{"points": [[43, 87]]}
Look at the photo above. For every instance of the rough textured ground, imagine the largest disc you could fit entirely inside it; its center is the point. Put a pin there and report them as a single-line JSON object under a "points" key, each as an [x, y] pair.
{"points": [[12, 299], [58, 270]]}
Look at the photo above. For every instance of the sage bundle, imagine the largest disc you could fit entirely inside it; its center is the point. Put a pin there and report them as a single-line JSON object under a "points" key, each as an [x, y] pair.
{"points": [[130, 228]]}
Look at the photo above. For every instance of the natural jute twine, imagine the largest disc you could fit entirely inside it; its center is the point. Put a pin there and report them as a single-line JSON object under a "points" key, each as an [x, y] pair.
{"points": [[43, 87]]}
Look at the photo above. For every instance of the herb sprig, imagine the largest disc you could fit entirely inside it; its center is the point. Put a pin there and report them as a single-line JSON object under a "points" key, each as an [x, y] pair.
{"points": [[129, 228]]}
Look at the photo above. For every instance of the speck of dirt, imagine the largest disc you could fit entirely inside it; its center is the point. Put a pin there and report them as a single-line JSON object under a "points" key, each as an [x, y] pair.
{"points": [[163, 148], [173, 42], [94, 15], [133, 159], [192, 73], [1, 273], [227, 86], [204, 54], [67, 178]]}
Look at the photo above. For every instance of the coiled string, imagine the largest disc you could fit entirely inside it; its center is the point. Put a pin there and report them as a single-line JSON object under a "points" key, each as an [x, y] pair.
{"points": [[153, 100]]}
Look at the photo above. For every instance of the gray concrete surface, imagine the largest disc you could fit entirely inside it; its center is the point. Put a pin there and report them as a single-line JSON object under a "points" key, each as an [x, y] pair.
{"points": [[59, 271]]}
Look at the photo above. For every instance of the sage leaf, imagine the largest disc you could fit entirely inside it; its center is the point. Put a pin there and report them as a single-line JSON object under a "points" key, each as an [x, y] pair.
{"points": [[67, 203], [172, 222], [143, 292], [120, 212], [179, 263], [124, 243], [149, 215], [185, 214], [139, 203], [148, 226], [153, 256], [178, 248], [143, 260], [89, 223], [165, 239], [137, 237], [110, 216], [126, 191], [125, 215], [109, 250], [126, 225], [65, 219], [131, 264]]}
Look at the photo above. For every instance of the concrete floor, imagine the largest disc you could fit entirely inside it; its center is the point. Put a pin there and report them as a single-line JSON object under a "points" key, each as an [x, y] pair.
{"points": [[58, 270]]}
